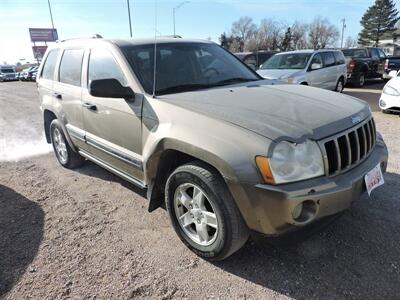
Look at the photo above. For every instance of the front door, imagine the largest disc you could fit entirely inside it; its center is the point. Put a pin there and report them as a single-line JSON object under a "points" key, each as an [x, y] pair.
{"points": [[113, 126], [316, 75]]}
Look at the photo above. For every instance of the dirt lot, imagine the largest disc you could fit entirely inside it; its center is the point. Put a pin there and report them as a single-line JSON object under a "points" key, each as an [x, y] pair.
{"points": [[86, 234]]}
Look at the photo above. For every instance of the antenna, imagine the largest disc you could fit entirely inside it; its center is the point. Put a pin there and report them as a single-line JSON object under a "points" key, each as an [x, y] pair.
{"points": [[155, 49]]}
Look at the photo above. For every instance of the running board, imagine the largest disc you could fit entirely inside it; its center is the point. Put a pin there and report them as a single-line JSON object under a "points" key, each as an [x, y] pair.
{"points": [[113, 170]]}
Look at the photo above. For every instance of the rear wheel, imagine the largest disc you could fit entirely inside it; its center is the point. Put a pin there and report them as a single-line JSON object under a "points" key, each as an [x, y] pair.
{"points": [[339, 86], [64, 153], [203, 212], [359, 80]]}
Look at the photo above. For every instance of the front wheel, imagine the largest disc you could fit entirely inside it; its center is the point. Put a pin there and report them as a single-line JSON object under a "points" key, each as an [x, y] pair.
{"points": [[203, 212]]}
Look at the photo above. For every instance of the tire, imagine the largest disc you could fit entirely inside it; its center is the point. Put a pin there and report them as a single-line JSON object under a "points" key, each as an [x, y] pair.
{"points": [[359, 80], [67, 157], [227, 233], [339, 85]]}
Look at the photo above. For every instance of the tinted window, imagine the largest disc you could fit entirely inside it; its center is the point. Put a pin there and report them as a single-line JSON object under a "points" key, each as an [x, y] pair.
{"points": [[374, 53], [102, 65], [381, 53], [49, 65], [186, 66], [339, 57], [360, 53], [329, 59], [287, 61], [71, 66]]}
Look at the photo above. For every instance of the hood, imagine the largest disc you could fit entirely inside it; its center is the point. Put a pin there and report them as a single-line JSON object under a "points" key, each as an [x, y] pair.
{"points": [[278, 73], [277, 112]]}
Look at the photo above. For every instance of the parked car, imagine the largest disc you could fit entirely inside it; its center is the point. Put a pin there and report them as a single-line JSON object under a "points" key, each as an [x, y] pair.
{"points": [[7, 73], [364, 63], [390, 98], [30, 73], [318, 68], [255, 59], [223, 150], [392, 63]]}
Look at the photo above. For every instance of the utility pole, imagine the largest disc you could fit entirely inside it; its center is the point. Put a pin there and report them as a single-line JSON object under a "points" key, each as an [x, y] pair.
{"points": [[51, 14], [174, 10], [129, 15], [343, 27]]}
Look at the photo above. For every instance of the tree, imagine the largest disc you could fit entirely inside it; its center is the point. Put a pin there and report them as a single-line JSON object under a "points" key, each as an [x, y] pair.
{"points": [[286, 43], [378, 22], [299, 39], [322, 33], [232, 43], [350, 42], [243, 28]]}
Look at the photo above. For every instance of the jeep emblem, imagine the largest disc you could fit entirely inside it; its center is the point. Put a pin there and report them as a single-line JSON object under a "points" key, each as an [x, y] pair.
{"points": [[355, 119]]}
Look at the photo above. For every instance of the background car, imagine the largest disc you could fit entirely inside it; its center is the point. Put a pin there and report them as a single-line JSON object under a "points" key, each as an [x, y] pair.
{"points": [[390, 98], [7, 73], [363, 63], [392, 63], [255, 59], [319, 68]]}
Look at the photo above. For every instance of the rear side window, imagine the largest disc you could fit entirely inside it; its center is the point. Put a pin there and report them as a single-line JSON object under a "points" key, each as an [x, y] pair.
{"points": [[329, 59], [102, 65], [71, 67], [340, 60], [374, 53], [381, 53], [50, 64]]}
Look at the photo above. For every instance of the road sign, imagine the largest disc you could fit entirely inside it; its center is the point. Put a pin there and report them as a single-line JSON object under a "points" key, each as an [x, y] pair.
{"points": [[38, 52], [43, 34]]}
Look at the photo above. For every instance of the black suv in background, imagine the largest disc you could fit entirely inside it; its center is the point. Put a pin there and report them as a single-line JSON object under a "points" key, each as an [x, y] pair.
{"points": [[255, 59], [363, 63]]}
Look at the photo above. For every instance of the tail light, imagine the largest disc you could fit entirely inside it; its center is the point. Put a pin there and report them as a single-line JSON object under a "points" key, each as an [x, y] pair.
{"points": [[352, 64], [386, 64]]}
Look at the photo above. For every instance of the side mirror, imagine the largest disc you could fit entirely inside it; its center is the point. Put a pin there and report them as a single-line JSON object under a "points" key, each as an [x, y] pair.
{"points": [[110, 88], [316, 66]]}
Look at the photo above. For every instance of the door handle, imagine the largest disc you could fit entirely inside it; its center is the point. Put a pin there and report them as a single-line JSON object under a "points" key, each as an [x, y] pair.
{"points": [[57, 96], [90, 106]]}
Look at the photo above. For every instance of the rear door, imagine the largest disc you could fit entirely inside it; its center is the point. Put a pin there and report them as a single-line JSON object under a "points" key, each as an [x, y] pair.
{"points": [[382, 60], [68, 93], [46, 78], [330, 70], [374, 64], [113, 126]]}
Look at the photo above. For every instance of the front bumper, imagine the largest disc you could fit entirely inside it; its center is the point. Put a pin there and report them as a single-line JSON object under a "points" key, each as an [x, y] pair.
{"points": [[268, 209], [388, 102]]}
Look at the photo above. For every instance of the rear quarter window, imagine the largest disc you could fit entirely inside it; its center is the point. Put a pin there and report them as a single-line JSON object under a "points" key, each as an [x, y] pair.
{"points": [[71, 67], [50, 64], [339, 57]]}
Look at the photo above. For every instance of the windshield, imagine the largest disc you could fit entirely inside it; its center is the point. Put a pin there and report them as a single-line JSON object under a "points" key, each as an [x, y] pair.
{"points": [[186, 66], [6, 70], [287, 61], [361, 53]]}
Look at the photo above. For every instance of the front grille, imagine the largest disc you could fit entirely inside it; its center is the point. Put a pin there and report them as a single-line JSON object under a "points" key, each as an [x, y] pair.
{"points": [[349, 148]]}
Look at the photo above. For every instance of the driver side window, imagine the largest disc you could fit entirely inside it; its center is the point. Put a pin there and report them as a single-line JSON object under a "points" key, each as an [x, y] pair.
{"points": [[102, 65]]}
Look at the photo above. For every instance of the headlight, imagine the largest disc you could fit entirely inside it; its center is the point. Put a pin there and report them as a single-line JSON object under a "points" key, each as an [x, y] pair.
{"points": [[292, 162], [389, 90]]}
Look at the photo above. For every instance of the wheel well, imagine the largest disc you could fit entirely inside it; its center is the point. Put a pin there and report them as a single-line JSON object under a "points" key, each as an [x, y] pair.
{"points": [[48, 117], [168, 162], [341, 78], [304, 83]]}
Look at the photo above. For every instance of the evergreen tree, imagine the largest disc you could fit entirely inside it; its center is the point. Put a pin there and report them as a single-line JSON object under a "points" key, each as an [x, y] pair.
{"points": [[378, 22], [287, 40]]}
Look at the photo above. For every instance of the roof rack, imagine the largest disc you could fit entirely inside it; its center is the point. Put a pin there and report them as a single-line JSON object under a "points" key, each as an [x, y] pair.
{"points": [[95, 36]]}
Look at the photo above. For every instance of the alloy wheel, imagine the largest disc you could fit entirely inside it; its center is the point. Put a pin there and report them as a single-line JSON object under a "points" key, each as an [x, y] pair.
{"points": [[60, 146]]}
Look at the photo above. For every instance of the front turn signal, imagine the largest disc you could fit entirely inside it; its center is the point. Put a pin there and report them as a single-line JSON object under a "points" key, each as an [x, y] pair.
{"points": [[265, 170]]}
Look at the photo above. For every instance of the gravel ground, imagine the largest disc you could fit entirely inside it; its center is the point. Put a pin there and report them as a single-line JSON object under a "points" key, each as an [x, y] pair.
{"points": [[86, 234]]}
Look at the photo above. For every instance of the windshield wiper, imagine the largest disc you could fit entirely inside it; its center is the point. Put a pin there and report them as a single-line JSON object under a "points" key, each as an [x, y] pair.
{"points": [[182, 88], [233, 80]]}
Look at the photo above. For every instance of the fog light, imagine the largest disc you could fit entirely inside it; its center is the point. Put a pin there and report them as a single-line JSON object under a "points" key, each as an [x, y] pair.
{"points": [[297, 211], [382, 103]]}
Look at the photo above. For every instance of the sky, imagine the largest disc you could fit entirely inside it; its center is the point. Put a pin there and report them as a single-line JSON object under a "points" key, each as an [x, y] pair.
{"points": [[196, 19]]}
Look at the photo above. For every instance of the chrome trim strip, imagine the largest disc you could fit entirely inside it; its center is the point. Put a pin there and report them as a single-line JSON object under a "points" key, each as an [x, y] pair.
{"points": [[117, 172], [76, 132], [115, 153]]}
